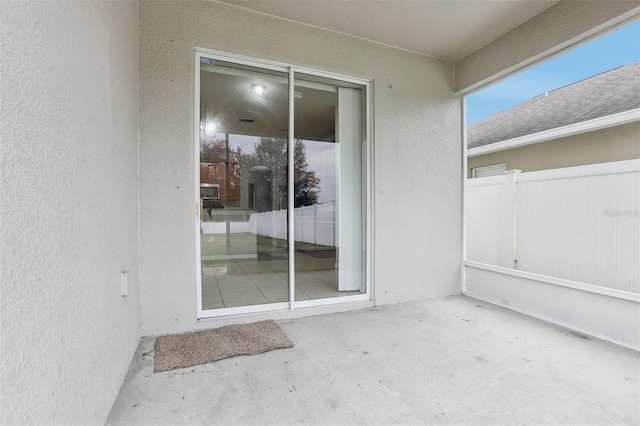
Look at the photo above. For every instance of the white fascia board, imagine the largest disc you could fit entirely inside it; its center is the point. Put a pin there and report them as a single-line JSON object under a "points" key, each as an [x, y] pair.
{"points": [[559, 132]]}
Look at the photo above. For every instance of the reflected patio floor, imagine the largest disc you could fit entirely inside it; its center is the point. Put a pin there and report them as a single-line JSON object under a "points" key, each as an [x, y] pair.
{"points": [[243, 282]]}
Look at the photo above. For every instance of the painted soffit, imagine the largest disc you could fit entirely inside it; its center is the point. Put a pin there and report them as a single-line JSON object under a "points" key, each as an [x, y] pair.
{"points": [[448, 30]]}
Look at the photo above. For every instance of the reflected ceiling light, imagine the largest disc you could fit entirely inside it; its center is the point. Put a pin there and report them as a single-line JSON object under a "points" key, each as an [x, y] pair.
{"points": [[259, 88], [210, 128]]}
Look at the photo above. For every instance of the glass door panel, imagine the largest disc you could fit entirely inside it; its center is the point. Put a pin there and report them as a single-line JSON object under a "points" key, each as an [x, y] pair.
{"points": [[243, 185], [328, 187]]}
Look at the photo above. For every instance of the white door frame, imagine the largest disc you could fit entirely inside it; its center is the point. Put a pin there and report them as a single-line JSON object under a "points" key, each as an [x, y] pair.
{"points": [[202, 53]]}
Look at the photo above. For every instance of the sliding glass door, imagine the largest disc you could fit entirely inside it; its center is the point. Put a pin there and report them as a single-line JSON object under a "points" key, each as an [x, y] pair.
{"points": [[243, 181], [329, 147], [281, 187]]}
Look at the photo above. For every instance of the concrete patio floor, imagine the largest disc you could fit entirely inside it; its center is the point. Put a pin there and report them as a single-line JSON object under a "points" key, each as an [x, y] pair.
{"points": [[450, 360]]}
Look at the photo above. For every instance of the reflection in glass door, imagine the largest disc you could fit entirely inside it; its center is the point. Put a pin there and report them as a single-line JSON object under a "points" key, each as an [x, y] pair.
{"points": [[243, 183], [281, 212], [329, 215]]}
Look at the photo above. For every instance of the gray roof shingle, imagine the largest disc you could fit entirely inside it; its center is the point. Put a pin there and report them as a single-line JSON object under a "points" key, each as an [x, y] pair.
{"points": [[605, 94]]}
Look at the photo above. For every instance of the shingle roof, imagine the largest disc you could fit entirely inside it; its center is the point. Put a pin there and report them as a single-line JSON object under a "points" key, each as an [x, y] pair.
{"points": [[605, 94]]}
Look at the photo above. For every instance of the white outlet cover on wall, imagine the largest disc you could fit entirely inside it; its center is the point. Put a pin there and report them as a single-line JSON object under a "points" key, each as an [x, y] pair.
{"points": [[124, 283]]}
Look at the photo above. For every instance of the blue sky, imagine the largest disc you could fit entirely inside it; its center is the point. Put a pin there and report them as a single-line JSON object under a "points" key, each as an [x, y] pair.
{"points": [[615, 49]]}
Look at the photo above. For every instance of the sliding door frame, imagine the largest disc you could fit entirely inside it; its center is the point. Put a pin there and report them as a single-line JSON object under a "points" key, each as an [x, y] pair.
{"points": [[202, 53]]}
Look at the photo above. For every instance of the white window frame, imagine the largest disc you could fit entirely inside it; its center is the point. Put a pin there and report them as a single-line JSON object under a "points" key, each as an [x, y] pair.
{"points": [[210, 185], [490, 170]]}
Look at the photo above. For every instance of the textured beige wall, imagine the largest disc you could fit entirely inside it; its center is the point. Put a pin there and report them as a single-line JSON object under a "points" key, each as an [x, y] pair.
{"points": [[417, 151], [69, 208], [563, 25], [602, 146]]}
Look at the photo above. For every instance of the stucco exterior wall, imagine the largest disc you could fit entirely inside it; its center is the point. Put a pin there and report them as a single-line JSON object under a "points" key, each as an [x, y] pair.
{"points": [[602, 146], [417, 151], [69, 208], [563, 25]]}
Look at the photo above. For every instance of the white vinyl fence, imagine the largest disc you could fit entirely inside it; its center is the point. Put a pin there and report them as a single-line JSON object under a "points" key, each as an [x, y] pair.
{"points": [[314, 224], [579, 223]]}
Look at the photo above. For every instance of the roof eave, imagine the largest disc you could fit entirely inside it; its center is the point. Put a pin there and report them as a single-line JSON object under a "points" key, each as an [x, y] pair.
{"points": [[559, 132]]}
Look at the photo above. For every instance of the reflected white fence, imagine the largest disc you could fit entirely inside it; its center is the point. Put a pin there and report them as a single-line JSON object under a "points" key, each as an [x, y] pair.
{"points": [[579, 223], [315, 224]]}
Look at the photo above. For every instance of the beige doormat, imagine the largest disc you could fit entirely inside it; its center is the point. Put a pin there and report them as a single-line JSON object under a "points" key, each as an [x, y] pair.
{"points": [[201, 347]]}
